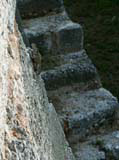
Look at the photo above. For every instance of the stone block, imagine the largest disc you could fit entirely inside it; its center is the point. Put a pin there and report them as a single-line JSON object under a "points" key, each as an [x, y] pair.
{"points": [[54, 34], [75, 68], [83, 111], [89, 152], [69, 38], [110, 144], [33, 8]]}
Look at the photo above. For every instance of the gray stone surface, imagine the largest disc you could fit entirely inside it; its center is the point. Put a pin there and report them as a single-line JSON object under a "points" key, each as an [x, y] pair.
{"points": [[31, 8], [69, 38], [54, 34], [89, 152], [109, 143], [99, 147], [75, 68], [105, 144], [83, 111]]}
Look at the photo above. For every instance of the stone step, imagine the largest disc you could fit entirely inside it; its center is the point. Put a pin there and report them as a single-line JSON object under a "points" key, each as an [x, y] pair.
{"points": [[71, 68], [55, 34], [88, 152], [82, 112], [34, 8], [100, 147]]}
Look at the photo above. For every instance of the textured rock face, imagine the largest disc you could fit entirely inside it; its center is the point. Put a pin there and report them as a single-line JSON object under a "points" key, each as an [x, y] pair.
{"points": [[6, 26], [29, 127], [54, 34], [39, 7], [72, 68]]}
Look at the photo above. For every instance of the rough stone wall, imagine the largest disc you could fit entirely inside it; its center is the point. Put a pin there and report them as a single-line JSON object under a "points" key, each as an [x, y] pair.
{"points": [[6, 28], [29, 127]]}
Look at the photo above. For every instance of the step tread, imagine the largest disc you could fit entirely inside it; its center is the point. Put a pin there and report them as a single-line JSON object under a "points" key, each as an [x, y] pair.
{"points": [[45, 24], [73, 68], [34, 8], [89, 152], [54, 34], [53, 61], [83, 110], [105, 146]]}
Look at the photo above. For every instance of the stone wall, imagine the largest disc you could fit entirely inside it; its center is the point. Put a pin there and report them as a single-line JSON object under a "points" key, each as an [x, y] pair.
{"points": [[29, 127], [6, 28]]}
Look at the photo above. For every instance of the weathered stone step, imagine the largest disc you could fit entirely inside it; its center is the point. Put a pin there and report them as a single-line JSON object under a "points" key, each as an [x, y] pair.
{"points": [[71, 68], [51, 61], [34, 8], [99, 147], [55, 34], [83, 112], [88, 152]]}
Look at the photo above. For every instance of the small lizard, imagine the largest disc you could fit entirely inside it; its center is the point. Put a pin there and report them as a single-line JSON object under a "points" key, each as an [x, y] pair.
{"points": [[36, 58]]}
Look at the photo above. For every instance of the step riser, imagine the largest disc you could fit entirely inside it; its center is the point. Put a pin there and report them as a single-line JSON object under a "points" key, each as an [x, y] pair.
{"points": [[69, 74], [35, 8], [68, 40], [85, 128]]}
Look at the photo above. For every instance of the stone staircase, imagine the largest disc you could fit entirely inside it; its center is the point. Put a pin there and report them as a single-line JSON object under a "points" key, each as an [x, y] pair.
{"points": [[86, 110]]}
